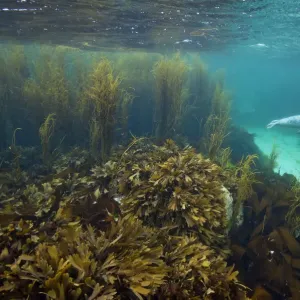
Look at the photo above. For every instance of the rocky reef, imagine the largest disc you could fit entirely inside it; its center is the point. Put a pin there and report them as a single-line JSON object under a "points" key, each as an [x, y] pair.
{"points": [[149, 223]]}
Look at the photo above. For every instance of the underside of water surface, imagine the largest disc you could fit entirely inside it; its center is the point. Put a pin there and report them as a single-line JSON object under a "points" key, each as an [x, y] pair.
{"points": [[135, 158]]}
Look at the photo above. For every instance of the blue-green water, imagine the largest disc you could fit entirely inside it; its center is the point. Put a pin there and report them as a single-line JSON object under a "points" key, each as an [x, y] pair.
{"points": [[264, 87]]}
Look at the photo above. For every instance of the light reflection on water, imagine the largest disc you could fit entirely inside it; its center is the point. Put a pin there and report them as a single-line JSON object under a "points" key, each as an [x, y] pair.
{"points": [[191, 24]]}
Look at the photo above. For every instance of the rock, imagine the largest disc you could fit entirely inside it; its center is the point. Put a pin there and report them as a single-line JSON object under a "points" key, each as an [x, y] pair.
{"points": [[228, 199]]}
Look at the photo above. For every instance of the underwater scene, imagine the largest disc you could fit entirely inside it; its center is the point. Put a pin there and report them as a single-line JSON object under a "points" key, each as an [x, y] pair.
{"points": [[149, 149]]}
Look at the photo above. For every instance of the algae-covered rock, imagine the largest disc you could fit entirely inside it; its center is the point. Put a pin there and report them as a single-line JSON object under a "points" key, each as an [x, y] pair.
{"points": [[166, 186], [229, 203], [65, 235]]}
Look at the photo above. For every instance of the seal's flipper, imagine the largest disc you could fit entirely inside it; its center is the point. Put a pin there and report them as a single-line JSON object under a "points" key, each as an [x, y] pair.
{"points": [[272, 124]]}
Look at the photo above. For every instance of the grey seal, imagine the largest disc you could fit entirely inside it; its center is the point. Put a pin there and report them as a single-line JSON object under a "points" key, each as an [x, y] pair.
{"points": [[291, 122]]}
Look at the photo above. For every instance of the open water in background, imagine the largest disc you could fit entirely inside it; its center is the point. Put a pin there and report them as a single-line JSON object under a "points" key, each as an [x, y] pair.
{"points": [[256, 42]]}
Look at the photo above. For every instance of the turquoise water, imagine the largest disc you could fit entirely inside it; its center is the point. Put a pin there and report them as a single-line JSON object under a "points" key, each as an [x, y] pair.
{"points": [[266, 88]]}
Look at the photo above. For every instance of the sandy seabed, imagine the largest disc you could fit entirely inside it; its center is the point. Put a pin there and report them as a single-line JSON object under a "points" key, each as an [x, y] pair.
{"points": [[287, 142]]}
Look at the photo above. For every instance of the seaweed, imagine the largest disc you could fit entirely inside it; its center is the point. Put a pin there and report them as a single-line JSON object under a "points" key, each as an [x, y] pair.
{"points": [[215, 132], [196, 270], [77, 263], [124, 113], [68, 237], [13, 73], [46, 131], [264, 247], [216, 127], [273, 158], [135, 70], [245, 178], [99, 104], [170, 101], [292, 216], [16, 156], [47, 90], [169, 187]]}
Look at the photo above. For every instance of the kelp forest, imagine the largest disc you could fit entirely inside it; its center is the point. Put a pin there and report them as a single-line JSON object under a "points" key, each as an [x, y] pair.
{"points": [[122, 176]]}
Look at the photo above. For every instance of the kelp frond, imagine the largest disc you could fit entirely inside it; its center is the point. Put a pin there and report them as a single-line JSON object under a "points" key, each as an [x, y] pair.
{"points": [[46, 132], [170, 77], [245, 177], [273, 158], [16, 155], [215, 132], [172, 187], [216, 127], [99, 103], [292, 216]]}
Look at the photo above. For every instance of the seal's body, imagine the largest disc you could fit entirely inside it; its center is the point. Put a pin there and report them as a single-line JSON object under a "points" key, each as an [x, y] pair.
{"points": [[292, 122]]}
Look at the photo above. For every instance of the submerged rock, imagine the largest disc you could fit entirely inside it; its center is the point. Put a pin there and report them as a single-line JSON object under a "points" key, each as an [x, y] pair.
{"points": [[229, 202]]}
